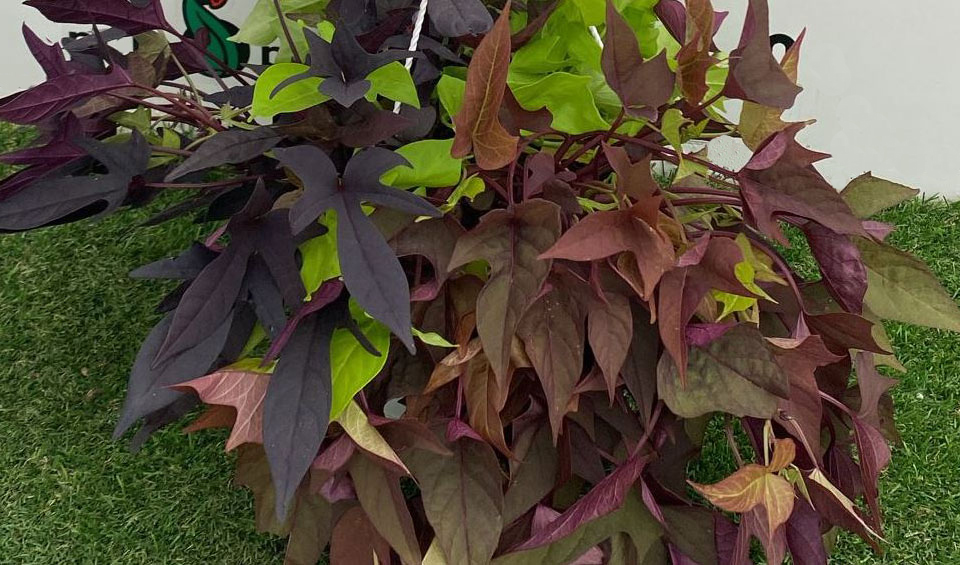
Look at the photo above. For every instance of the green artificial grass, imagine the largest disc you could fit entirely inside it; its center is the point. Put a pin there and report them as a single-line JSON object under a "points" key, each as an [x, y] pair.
{"points": [[71, 322]]}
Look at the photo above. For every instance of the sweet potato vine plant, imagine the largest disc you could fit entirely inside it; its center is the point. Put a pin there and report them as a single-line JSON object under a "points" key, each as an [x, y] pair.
{"points": [[447, 310]]}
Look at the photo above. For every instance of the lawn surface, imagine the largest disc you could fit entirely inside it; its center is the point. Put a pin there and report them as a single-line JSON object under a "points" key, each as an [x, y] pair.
{"points": [[71, 322]]}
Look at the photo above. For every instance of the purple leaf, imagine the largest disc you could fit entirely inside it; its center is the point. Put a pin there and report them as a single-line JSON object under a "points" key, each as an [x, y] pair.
{"points": [[755, 74], [803, 536], [185, 266], [371, 271], [456, 18], [57, 151], [50, 57], [327, 293], [132, 17], [62, 199], [208, 301], [147, 390], [266, 297], [606, 497], [296, 409], [278, 248], [843, 272], [344, 63], [227, 147], [59, 94]]}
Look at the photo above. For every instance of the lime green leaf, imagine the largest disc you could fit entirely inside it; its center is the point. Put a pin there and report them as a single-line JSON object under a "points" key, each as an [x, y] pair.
{"points": [[594, 206], [393, 81], [901, 287], [450, 91], [430, 165], [256, 338], [262, 26], [431, 338], [355, 422], [544, 54], [351, 365], [320, 260], [137, 119], [469, 188], [566, 95], [670, 126], [298, 96]]}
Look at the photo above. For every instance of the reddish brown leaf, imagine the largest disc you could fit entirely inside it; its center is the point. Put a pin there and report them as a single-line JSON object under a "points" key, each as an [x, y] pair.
{"points": [[874, 457], [755, 74], [802, 412], [478, 123], [633, 179], [242, 390], [779, 179], [462, 499], [356, 541], [213, 417], [872, 386], [694, 58], [602, 234], [380, 496], [610, 331], [511, 242], [709, 264], [553, 332], [604, 498], [642, 86], [486, 396]]}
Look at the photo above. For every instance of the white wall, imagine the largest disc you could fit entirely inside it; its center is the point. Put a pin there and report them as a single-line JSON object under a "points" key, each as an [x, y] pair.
{"points": [[881, 80], [878, 75]]}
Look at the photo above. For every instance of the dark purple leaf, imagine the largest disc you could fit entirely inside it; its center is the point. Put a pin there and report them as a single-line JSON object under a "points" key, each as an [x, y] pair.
{"points": [[185, 266], [60, 94], [148, 389], [327, 293], [607, 496], [843, 272], [208, 301], [50, 57], [132, 17], [344, 63], [227, 147], [456, 18], [674, 18], [58, 149], [237, 96], [370, 268], [266, 297], [804, 539], [277, 246], [296, 409], [161, 418], [63, 199]]}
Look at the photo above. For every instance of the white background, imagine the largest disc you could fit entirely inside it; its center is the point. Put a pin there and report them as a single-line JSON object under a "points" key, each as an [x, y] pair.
{"points": [[879, 76]]}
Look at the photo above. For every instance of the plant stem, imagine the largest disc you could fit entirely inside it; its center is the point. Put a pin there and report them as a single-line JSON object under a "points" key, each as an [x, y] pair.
{"points": [[706, 200], [170, 150], [294, 54], [214, 184]]}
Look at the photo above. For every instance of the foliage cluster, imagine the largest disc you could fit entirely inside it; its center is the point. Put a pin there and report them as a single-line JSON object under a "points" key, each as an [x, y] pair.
{"points": [[447, 310]]}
